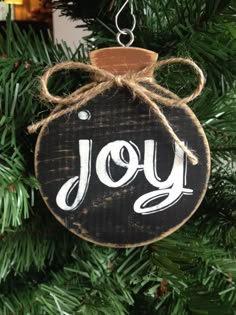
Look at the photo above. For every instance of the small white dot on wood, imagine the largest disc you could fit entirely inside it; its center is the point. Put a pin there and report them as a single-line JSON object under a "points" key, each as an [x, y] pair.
{"points": [[84, 115]]}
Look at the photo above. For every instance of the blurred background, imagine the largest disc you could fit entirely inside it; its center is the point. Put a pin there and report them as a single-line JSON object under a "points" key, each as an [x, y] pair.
{"points": [[40, 15]]}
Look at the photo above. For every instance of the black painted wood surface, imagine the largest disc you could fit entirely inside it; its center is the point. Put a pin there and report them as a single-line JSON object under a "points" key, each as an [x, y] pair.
{"points": [[106, 215]]}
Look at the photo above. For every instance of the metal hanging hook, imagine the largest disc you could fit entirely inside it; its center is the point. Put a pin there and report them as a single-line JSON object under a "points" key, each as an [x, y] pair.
{"points": [[125, 31]]}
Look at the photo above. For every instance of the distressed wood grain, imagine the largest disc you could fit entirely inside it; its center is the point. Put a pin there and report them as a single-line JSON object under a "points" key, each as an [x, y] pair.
{"points": [[119, 60]]}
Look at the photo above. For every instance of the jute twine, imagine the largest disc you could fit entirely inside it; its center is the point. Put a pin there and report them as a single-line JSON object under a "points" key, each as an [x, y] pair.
{"points": [[136, 82]]}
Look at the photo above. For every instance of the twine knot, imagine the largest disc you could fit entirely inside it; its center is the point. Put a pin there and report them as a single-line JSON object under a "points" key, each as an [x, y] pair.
{"points": [[119, 80], [135, 82]]}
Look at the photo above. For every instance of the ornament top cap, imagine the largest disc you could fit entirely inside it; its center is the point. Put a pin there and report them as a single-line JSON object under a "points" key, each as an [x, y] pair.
{"points": [[120, 60]]}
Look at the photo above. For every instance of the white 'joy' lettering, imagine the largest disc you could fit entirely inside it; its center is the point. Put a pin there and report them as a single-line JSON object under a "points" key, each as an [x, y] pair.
{"points": [[173, 188]]}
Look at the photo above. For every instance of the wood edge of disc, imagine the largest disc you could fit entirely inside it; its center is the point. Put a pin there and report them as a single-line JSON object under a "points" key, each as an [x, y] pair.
{"points": [[120, 60], [122, 49]]}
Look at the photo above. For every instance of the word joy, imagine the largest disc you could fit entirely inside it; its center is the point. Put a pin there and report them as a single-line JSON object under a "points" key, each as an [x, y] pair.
{"points": [[173, 188]]}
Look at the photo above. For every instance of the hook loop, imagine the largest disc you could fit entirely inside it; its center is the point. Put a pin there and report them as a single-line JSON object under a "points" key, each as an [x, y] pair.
{"points": [[125, 31]]}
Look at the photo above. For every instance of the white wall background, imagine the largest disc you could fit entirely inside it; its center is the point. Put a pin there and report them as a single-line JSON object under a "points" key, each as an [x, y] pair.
{"points": [[4, 7], [65, 29]]}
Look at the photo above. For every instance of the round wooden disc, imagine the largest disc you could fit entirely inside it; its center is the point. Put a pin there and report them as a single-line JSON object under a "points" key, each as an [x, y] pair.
{"points": [[112, 175]]}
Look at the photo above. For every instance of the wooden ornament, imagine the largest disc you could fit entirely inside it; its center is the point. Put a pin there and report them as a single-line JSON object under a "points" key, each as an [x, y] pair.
{"points": [[110, 172]]}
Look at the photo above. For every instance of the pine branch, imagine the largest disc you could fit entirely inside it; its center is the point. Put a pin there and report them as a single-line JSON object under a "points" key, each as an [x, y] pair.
{"points": [[14, 191], [81, 9], [34, 247], [217, 215], [165, 273], [21, 63]]}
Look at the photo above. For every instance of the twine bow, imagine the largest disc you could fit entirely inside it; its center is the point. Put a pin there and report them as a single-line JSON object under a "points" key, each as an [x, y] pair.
{"points": [[105, 80]]}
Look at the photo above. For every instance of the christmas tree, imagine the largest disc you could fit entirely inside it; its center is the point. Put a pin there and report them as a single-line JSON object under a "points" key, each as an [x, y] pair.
{"points": [[45, 269]]}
